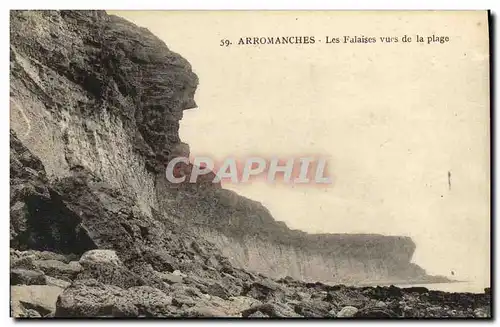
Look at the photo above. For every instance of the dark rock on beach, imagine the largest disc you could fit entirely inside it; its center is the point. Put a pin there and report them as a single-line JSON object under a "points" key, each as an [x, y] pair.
{"points": [[108, 296]]}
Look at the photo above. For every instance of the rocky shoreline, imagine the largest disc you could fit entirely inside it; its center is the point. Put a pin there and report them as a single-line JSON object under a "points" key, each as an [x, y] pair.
{"points": [[97, 284]]}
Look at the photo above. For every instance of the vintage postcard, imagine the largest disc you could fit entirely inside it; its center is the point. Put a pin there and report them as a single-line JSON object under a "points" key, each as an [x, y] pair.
{"points": [[251, 164]]}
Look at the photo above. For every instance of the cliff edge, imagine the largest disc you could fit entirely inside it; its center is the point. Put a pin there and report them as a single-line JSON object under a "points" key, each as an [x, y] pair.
{"points": [[95, 108]]}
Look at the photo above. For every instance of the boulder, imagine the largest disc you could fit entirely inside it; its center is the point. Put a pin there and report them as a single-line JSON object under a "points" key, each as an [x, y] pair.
{"points": [[57, 282], [237, 304], [170, 278], [160, 260], [203, 311], [58, 269], [41, 298], [257, 314], [187, 290], [30, 313], [46, 255], [178, 273], [25, 262], [332, 313], [481, 313], [347, 312], [271, 309], [321, 296], [264, 290], [300, 296], [217, 289], [385, 293], [100, 256], [90, 298], [344, 296], [180, 300], [150, 302], [111, 274], [27, 277], [313, 309]]}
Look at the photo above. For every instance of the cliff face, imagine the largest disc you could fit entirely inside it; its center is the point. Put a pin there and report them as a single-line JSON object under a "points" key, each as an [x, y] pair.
{"points": [[95, 109], [248, 235], [341, 264]]}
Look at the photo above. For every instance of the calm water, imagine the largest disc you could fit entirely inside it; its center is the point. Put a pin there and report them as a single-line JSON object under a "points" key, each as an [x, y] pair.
{"points": [[470, 287]]}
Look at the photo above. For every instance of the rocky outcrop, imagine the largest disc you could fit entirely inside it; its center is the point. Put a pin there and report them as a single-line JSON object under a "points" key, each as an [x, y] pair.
{"points": [[229, 294], [250, 237], [95, 109]]}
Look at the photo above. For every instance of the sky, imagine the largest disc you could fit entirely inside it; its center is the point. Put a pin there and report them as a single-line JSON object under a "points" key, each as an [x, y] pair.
{"points": [[392, 119]]}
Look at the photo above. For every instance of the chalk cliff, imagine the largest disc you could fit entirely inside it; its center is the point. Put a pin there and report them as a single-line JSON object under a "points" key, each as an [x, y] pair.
{"points": [[95, 108], [249, 236]]}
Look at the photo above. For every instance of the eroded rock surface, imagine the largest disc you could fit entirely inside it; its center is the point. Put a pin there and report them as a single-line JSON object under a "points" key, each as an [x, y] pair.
{"points": [[97, 231]]}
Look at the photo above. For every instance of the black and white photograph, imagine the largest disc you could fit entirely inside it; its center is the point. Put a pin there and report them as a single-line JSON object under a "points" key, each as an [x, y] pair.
{"points": [[250, 164]]}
